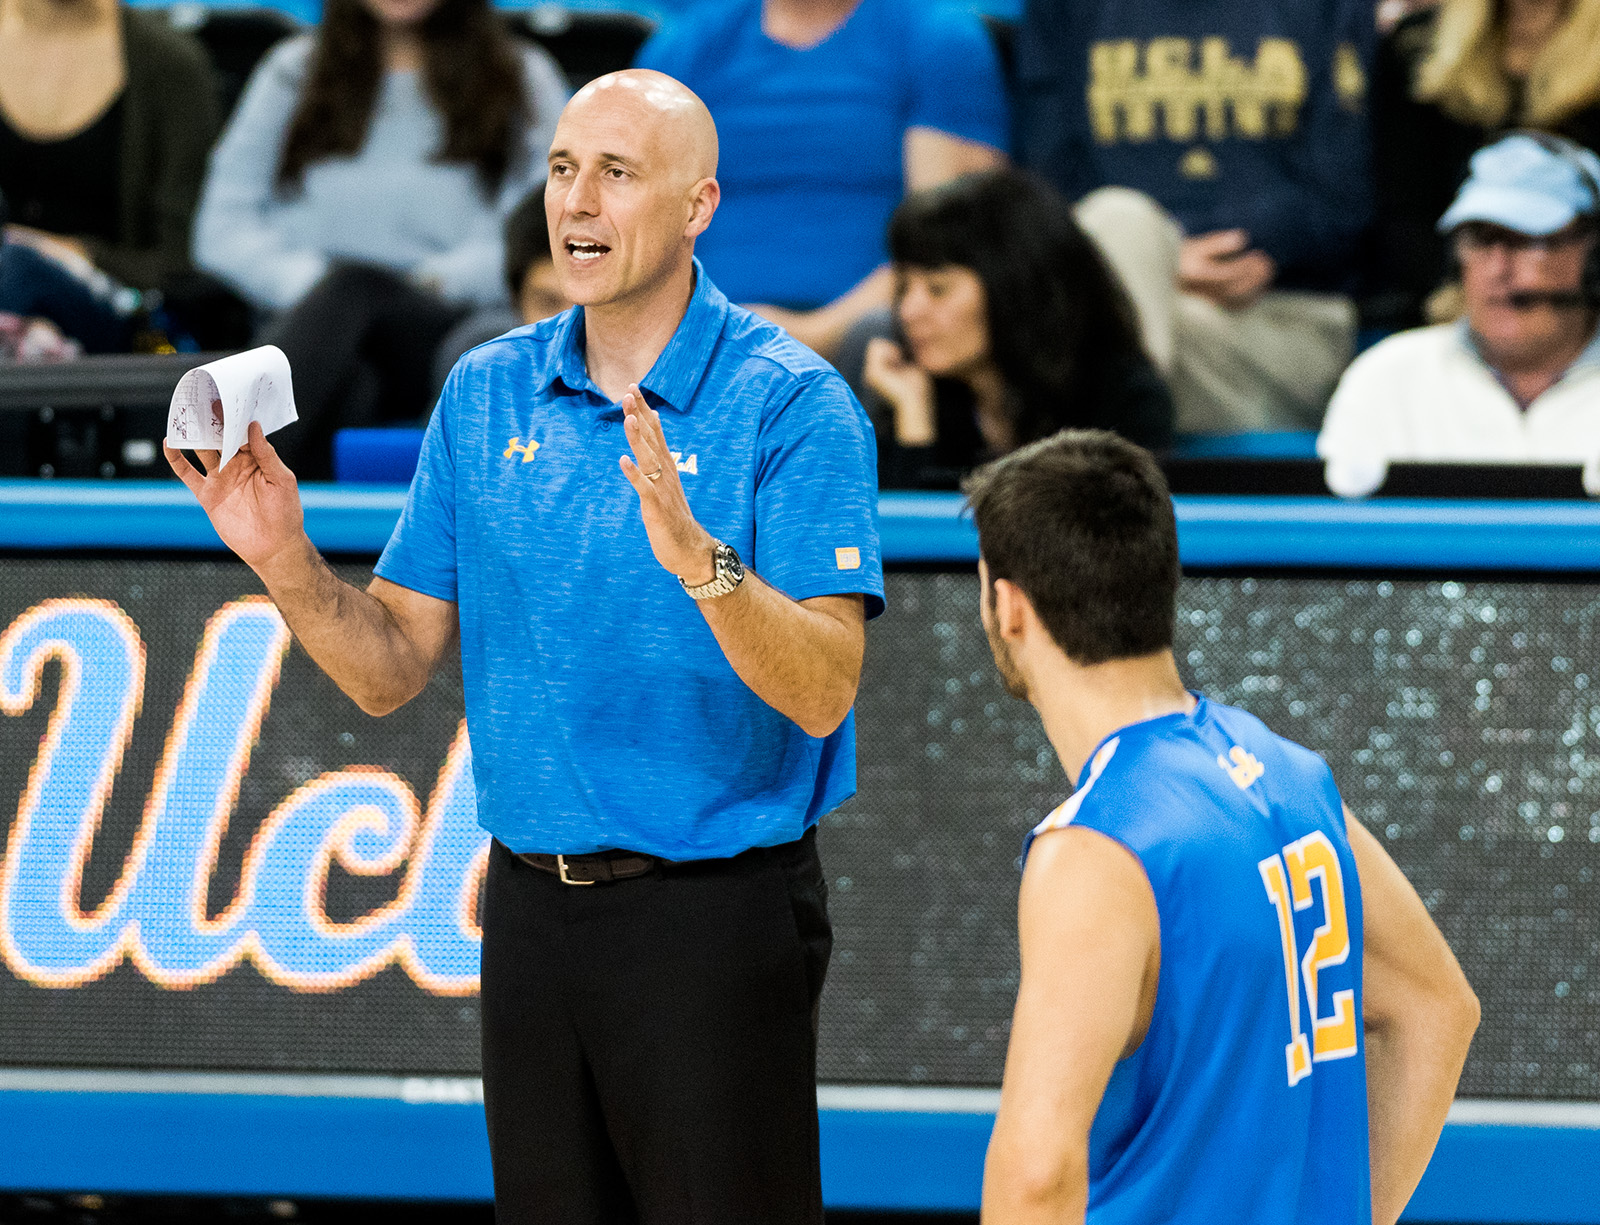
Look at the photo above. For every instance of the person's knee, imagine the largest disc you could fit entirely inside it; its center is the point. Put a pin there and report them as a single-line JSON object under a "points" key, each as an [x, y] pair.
{"points": [[1112, 215]]}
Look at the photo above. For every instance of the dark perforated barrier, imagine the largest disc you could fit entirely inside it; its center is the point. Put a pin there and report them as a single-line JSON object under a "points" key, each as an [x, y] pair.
{"points": [[272, 916]]}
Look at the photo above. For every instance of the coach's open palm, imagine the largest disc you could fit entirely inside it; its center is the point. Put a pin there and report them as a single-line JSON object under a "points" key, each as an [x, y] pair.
{"points": [[680, 544], [253, 502]]}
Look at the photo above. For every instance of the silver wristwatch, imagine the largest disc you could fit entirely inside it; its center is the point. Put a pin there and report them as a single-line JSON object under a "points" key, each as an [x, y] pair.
{"points": [[730, 573]]}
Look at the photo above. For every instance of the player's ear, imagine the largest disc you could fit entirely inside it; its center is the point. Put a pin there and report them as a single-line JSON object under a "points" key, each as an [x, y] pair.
{"points": [[1011, 610]]}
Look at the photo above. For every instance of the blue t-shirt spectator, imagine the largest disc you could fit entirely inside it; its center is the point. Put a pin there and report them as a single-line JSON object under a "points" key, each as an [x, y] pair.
{"points": [[1229, 113], [519, 514], [813, 139]]}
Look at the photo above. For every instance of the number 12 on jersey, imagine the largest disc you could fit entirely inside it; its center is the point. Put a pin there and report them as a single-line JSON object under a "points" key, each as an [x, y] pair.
{"points": [[1288, 878]]}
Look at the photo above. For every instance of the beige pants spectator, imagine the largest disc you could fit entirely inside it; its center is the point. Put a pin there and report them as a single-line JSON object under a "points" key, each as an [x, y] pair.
{"points": [[1270, 366]]}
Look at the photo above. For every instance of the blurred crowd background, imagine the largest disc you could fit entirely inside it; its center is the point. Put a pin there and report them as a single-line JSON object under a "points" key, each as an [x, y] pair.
{"points": [[1371, 227]]}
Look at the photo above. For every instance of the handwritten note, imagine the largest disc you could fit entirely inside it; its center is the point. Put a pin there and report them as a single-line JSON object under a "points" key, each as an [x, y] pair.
{"points": [[213, 405]]}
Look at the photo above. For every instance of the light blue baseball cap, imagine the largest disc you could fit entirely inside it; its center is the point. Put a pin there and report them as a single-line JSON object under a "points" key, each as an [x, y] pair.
{"points": [[1523, 185]]}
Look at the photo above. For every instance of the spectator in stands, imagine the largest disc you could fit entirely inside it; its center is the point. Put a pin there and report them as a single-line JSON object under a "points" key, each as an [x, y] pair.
{"points": [[1013, 328], [530, 279], [1517, 379], [359, 193], [1447, 82], [1241, 130], [106, 117], [828, 112]]}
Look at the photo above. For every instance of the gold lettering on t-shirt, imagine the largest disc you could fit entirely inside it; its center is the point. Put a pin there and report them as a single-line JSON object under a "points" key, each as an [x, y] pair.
{"points": [[1349, 78], [1199, 89]]}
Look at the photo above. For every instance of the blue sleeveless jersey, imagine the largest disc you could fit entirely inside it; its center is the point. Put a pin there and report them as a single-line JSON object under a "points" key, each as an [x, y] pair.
{"points": [[1247, 1100]]}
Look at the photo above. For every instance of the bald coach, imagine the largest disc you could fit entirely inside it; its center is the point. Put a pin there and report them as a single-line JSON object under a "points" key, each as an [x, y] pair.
{"points": [[650, 521]]}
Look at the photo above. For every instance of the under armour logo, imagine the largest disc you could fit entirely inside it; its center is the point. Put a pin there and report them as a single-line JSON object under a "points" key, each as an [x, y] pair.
{"points": [[690, 465], [1245, 768], [527, 452]]}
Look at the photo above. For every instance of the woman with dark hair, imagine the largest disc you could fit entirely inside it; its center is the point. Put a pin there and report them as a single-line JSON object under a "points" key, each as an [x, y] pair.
{"points": [[1010, 327], [357, 197]]}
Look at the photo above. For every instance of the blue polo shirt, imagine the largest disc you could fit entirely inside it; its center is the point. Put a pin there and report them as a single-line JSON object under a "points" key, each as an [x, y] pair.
{"points": [[812, 140], [603, 714]]}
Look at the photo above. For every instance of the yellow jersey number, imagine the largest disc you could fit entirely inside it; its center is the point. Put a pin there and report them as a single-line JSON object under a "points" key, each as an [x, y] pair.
{"points": [[1288, 880]]}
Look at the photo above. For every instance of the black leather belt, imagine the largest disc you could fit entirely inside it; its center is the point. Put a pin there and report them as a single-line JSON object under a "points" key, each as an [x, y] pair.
{"points": [[602, 867]]}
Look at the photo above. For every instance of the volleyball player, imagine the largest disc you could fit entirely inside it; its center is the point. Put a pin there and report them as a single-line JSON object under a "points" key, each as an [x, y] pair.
{"points": [[1233, 1006]]}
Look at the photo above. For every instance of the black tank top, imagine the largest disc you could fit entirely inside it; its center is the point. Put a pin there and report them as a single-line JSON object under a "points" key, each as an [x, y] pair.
{"points": [[70, 186]]}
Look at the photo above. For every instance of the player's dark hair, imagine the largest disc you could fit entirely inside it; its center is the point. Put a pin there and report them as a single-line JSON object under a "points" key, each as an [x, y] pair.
{"points": [[1082, 522], [526, 231]]}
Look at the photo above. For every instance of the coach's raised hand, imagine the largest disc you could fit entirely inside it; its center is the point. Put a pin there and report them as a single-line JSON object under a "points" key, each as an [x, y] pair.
{"points": [[676, 537], [253, 502]]}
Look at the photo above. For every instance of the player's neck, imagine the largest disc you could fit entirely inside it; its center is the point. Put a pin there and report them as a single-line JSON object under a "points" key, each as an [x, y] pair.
{"points": [[1081, 705]]}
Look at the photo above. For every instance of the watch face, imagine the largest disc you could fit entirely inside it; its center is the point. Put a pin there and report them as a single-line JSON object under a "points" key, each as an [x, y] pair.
{"points": [[728, 560]]}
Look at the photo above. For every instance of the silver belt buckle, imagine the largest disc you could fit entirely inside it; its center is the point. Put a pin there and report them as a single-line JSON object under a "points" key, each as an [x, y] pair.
{"points": [[561, 871]]}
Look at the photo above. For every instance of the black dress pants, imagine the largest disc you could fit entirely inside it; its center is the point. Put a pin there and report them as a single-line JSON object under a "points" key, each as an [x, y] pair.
{"points": [[649, 1045], [360, 346]]}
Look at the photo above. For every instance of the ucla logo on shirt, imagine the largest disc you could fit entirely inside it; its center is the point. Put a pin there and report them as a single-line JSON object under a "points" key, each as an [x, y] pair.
{"points": [[515, 446], [1242, 766], [1200, 88], [689, 464]]}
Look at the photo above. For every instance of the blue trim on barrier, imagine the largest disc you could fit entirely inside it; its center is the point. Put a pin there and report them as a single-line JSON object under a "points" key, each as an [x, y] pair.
{"points": [[238, 1144], [1267, 444], [242, 1144], [51, 515], [1213, 532]]}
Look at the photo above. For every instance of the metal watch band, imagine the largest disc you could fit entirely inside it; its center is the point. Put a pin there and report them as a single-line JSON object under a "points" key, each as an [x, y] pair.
{"points": [[729, 574]]}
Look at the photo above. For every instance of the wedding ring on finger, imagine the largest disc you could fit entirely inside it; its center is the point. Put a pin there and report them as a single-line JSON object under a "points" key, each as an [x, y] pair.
{"points": [[653, 476]]}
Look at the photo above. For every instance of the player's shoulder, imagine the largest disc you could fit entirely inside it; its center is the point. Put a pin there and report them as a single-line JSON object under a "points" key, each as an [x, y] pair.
{"points": [[1155, 781], [1274, 752], [1255, 758], [1142, 769]]}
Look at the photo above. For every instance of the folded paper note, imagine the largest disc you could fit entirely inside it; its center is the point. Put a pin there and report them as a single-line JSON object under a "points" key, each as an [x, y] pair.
{"points": [[214, 404]]}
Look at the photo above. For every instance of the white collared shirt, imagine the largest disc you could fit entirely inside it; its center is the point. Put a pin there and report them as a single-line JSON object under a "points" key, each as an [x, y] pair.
{"points": [[1427, 396]]}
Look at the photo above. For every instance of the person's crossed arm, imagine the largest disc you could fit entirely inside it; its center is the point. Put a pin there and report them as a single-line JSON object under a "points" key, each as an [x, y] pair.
{"points": [[1223, 267]]}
